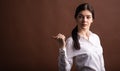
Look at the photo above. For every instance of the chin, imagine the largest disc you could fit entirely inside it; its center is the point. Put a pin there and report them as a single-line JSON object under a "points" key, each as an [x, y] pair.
{"points": [[85, 27]]}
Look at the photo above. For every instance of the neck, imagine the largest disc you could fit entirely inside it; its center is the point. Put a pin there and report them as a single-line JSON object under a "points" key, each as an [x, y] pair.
{"points": [[84, 32]]}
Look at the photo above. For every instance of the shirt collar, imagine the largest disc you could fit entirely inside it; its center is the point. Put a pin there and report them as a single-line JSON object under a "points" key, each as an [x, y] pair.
{"points": [[80, 36]]}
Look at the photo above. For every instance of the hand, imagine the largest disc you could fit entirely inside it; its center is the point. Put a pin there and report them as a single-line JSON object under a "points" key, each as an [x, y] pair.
{"points": [[61, 39]]}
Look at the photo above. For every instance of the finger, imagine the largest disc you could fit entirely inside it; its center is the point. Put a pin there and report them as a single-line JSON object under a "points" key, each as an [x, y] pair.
{"points": [[59, 34], [54, 37], [62, 36]]}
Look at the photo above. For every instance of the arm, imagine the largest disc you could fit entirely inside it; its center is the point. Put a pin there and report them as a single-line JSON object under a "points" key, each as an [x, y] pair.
{"points": [[64, 63], [101, 57], [102, 63]]}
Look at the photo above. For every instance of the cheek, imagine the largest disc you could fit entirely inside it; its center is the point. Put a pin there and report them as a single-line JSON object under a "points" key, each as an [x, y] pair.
{"points": [[78, 20], [91, 21]]}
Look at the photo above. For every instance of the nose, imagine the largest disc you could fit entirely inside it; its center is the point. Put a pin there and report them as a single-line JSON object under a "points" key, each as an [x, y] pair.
{"points": [[84, 19]]}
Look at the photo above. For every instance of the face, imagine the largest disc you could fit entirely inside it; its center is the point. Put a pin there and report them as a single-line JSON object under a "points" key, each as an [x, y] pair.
{"points": [[84, 19]]}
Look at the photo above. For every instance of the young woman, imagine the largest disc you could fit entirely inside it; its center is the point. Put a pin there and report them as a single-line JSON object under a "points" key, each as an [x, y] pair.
{"points": [[83, 46]]}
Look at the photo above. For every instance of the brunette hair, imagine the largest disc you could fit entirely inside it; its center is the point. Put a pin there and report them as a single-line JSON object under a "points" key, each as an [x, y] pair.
{"points": [[81, 7]]}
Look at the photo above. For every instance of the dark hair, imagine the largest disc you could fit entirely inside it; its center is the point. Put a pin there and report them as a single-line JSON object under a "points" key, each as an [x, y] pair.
{"points": [[81, 7], [84, 6]]}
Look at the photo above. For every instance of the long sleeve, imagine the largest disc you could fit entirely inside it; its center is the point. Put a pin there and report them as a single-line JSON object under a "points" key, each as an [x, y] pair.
{"points": [[64, 63], [88, 58], [102, 63], [101, 57]]}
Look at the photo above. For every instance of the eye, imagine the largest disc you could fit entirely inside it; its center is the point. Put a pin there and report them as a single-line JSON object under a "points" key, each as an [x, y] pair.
{"points": [[80, 16], [88, 17]]}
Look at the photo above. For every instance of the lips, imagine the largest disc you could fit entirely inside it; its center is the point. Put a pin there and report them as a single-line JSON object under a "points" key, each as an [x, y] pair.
{"points": [[84, 24]]}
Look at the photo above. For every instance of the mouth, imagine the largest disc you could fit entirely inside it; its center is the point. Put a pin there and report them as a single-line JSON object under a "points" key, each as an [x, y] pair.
{"points": [[84, 24]]}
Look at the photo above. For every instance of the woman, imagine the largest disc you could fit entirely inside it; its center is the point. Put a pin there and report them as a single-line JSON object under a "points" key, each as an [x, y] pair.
{"points": [[83, 46]]}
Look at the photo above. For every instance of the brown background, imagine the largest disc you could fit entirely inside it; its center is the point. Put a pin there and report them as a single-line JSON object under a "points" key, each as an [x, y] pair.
{"points": [[26, 27]]}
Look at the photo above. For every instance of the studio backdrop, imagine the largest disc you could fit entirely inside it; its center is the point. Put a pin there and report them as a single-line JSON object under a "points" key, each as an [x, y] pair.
{"points": [[26, 28]]}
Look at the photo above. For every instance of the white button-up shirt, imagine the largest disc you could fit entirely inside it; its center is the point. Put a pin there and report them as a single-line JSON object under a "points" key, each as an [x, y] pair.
{"points": [[88, 58]]}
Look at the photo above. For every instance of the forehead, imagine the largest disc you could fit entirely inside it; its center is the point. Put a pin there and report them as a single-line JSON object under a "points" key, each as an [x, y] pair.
{"points": [[85, 12]]}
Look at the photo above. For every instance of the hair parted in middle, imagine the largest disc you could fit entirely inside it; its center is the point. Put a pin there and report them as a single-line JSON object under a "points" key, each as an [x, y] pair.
{"points": [[81, 7]]}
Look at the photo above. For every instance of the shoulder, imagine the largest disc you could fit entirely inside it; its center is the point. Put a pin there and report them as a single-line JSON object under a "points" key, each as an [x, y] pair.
{"points": [[69, 42], [95, 38], [69, 39], [94, 35]]}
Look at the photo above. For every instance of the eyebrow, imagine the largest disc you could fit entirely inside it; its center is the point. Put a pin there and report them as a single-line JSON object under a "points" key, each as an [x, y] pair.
{"points": [[83, 15]]}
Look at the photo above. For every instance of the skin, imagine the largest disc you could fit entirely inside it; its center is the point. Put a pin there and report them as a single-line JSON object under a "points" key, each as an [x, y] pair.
{"points": [[84, 21]]}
